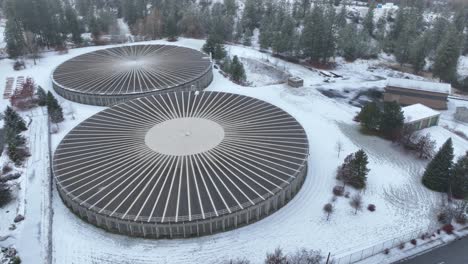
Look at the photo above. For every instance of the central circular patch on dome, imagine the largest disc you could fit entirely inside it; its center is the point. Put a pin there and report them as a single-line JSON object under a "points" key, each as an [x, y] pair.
{"points": [[184, 136]]}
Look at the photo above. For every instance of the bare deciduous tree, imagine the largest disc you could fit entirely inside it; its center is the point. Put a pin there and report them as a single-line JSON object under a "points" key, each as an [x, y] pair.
{"points": [[304, 256], [339, 147], [328, 209], [277, 257], [356, 202], [425, 146]]}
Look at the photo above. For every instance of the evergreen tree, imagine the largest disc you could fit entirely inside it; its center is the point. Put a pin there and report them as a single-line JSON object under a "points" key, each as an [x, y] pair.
{"points": [[465, 49], [405, 39], [54, 109], [446, 59], [231, 7], [354, 170], [214, 47], [418, 53], [13, 126], [313, 34], [341, 17], [266, 30], [14, 38], [368, 22], [41, 96], [252, 15], [247, 41], [13, 121], [348, 42], [239, 31], [437, 174], [370, 116], [459, 179], [438, 31], [392, 120], [237, 70], [72, 23], [360, 169]]}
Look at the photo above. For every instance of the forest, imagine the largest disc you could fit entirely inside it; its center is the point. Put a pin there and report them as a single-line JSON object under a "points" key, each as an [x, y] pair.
{"points": [[426, 36]]}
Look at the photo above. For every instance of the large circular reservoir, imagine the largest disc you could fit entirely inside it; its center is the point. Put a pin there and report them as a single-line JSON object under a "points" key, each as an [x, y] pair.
{"points": [[181, 164], [109, 76]]}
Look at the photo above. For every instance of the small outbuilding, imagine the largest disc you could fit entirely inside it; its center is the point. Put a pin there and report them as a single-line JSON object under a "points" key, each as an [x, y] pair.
{"points": [[409, 92], [420, 116], [295, 82], [461, 114]]}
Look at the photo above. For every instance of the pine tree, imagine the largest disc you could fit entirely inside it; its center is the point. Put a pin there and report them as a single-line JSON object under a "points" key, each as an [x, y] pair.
{"points": [[368, 22], [354, 170], [370, 116], [252, 15], [72, 23], [214, 46], [14, 38], [446, 59], [438, 32], [247, 41], [418, 53], [459, 179], [318, 35], [237, 70], [360, 169], [54, 109], [437, 174], [392, 120], [341, 17], [41, 96], [348, 42]]}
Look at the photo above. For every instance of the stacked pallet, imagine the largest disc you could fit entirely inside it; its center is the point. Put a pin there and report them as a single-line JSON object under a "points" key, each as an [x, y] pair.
{"points": [[8, 87]]}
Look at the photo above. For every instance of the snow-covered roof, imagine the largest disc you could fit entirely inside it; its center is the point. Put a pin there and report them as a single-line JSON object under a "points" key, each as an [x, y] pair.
{"points": [[444, 88], [417, 112]]}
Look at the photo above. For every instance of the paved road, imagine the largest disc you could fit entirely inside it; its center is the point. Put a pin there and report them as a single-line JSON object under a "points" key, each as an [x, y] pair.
{"points": [[454, 253]]}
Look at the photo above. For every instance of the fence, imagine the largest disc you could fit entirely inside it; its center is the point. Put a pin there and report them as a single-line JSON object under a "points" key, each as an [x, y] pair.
{"points": [[378, 248]]}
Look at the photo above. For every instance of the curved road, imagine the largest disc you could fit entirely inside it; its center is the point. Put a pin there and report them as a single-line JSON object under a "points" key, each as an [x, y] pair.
{"points": [[454, 253]]}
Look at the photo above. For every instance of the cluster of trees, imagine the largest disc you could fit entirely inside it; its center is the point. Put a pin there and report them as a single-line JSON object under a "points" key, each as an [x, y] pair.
{"points": [[300, 256], [14, 125], [443, 175], [300, 29], [233, 67], [32, 26], [388, 121], [422, 144], [354, 170], [54, 109]]}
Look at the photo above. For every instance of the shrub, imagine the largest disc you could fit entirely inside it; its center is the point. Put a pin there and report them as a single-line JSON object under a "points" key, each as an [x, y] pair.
{"points": [[386, 251], [5, 194], [402, 245], [6, 168], [371, 207], [16, 260], [346, 195], [460, 219], [414, 242], [338, 190], [448, 228], [442, 217]]}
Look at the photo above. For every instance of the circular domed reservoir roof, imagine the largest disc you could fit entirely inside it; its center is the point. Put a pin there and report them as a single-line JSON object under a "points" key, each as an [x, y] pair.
{"points": [[180, 157], [135, 69]]}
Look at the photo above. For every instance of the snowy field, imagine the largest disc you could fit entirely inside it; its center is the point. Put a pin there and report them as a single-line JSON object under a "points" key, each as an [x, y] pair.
{"points": [[403, 204]]}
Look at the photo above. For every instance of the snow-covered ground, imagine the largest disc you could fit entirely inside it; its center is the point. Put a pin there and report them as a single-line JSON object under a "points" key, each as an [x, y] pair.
{"points": [[403, 204]]}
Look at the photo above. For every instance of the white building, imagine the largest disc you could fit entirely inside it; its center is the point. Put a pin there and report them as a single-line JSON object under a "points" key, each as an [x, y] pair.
{"points": [[420, 116]]}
